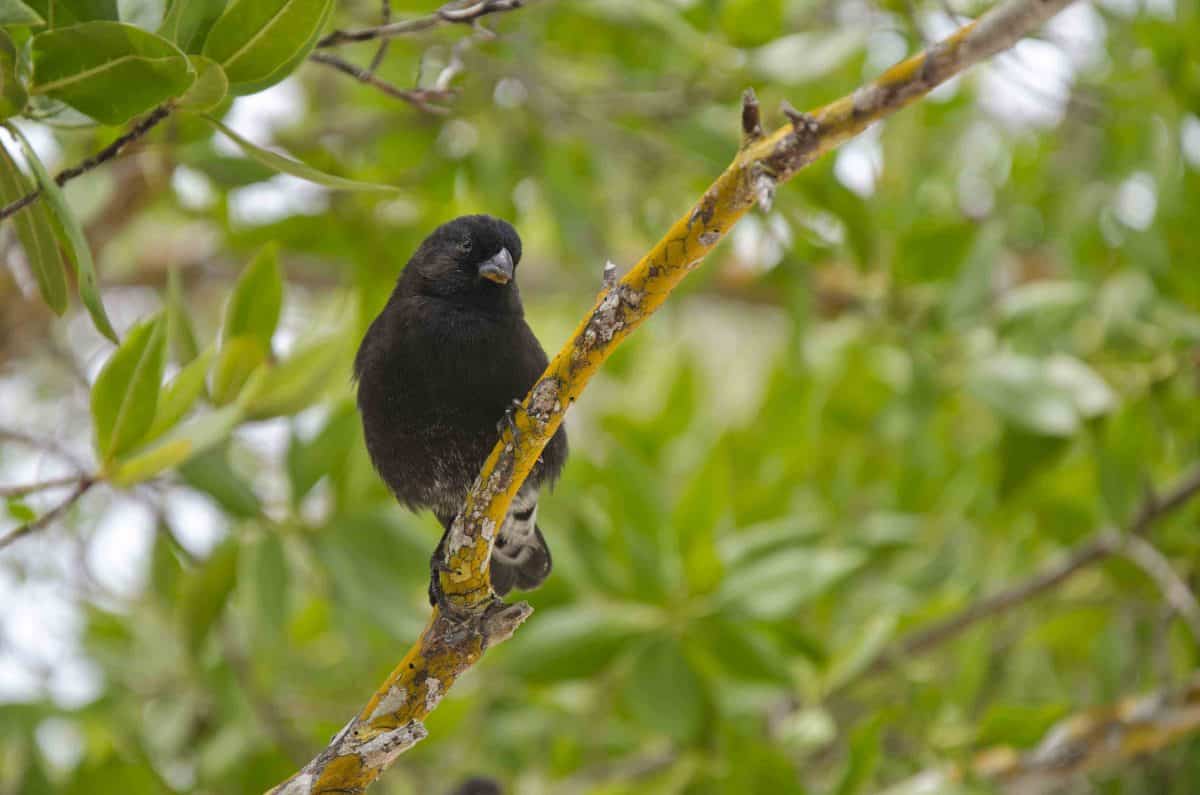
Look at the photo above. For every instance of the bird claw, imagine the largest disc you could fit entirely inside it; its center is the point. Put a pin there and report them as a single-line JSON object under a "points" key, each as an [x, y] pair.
{"points": [[509, 422], [437, 596]]}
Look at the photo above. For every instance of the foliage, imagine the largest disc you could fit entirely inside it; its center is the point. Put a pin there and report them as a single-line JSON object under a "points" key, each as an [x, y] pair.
{"points": [[949, 353]]}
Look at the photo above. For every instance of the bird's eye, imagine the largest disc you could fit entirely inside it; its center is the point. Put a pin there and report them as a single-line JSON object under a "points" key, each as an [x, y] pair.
{"points": [[465, 246]]}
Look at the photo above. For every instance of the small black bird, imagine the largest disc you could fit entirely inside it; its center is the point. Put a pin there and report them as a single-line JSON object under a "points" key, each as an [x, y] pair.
{"points": [[439, 370]]}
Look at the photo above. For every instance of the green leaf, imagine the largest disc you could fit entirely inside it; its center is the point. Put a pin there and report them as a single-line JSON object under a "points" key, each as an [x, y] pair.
{"points": [[211, 473], [36, 234], [1018, 725], [700, 509], [776, 586], [193, 438], [1046, 396], [572, 642], [209, 88], [71, 235], [180, 332], [375, 562], [864, 758], [743, 650], [267, 572], [238, 360], [62, 13], [187, 22], [254, 305], [13, 95], [309, 461], [295, 384], [109, 70], [125, 395], [664, 693], [14, 13], [256, 41], [295, 168], [19, 510], [205, 591], [180, 395]]}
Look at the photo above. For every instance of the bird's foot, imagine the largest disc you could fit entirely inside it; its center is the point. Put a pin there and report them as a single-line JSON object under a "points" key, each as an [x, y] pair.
{"points": [[437, 596], [509, 421]]}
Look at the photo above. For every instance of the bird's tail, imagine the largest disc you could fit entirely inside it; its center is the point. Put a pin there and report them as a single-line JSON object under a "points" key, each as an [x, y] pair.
{"points": [[520, 557]]}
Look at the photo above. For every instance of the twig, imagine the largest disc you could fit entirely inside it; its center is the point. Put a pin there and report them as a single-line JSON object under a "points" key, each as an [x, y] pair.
{"points": [[452, 642], [419, 98], [46, 445], [45, 519], [1100, 547], [383, 45], [29, 488], [1174, 589], [107, 153], [451, 13], [1085, 742]]}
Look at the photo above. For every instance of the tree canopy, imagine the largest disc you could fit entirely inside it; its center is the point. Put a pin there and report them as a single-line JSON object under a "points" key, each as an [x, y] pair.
{"points": [[896, 484]]}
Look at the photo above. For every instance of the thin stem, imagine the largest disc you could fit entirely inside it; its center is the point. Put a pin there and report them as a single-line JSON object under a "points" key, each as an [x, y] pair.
{"points": [[449, 14], [417, 97], [1102, 546], [22, 490], [107, 153], [50, 516]]}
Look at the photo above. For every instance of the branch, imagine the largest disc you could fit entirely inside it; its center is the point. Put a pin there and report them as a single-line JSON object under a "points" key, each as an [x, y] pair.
{"points": [[451, 643], [46, 445], [24, 489], [104, 155], [451, 13], [1102, 546], [1088, 741], [45, 519], [419, 98], [1177, 593]]}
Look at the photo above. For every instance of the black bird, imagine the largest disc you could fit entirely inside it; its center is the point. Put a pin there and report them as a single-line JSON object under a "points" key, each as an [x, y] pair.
{"points": [[439, 370]]}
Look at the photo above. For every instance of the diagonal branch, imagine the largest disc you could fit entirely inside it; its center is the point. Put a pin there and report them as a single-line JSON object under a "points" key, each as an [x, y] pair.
{"points": [[81, 488], [103, 156], [449, 14], [1100, 547], [391, 721], [1088, 741], [419, 98]]}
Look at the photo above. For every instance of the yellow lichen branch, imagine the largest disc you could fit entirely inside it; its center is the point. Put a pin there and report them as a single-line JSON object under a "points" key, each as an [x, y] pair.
{"points": [[450, 644], [1085, 742]]}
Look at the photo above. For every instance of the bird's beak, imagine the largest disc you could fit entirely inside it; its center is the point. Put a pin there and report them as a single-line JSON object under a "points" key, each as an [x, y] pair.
{"points": [[498, 269]]}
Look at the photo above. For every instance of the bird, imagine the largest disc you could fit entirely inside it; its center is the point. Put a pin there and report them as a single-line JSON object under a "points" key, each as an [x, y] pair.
{"points": [[439, 372]]}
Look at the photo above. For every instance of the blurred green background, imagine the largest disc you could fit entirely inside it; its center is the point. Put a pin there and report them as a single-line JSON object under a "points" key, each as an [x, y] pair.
{"points": [[952, 350]]}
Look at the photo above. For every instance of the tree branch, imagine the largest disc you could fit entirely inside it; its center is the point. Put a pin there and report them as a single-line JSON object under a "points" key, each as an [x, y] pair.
{"points": [[1103, 545], [449, 14], [391, 721], [104, 155], [419, 98], [1176, 592], [45, 519], [24, 489], [1085, 742]]}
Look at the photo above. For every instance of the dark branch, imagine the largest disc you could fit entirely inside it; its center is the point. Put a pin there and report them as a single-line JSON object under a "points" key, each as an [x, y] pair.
{"points": [[418, 97], [24, 489], [449, 14], [107, 153], [45, 519], [1100, 547]]}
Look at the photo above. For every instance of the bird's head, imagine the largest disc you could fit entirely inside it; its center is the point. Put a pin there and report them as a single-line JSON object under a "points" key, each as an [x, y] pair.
{"points": [[472, 258]]}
